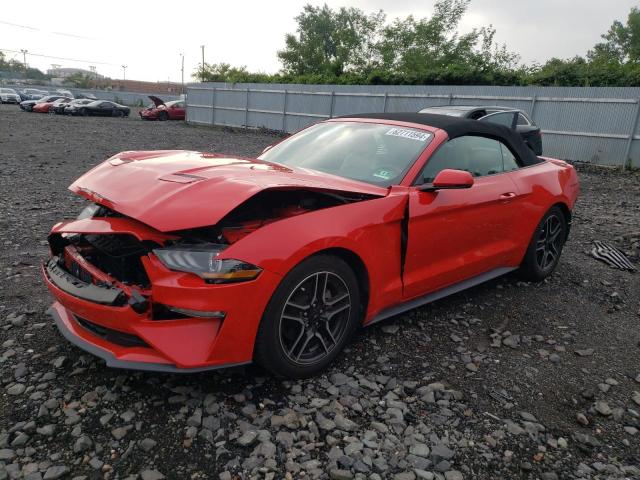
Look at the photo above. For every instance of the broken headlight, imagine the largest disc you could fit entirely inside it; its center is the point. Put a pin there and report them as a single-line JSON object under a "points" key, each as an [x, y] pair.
{"points": [[203, 262], [89, 211]]}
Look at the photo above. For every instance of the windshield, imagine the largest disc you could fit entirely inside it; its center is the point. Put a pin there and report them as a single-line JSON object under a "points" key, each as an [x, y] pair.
{"points": [[7, 90], [368, 152]]}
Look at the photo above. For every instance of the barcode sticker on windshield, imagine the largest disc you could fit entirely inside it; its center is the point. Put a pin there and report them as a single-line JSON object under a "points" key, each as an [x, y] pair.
{"points": [[411, 134]]}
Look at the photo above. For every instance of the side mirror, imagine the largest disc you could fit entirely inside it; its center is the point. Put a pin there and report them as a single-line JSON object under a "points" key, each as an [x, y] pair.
{"points": [[449, 179]]}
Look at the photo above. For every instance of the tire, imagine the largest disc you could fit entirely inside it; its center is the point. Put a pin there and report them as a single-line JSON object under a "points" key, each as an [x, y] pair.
{"points": [[545, 247], [296, 337], [84, 112], [118, 113], [162, 116]]}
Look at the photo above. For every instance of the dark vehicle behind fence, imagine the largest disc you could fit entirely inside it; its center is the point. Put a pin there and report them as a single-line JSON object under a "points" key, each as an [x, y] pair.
{"points": [[513, 118]]}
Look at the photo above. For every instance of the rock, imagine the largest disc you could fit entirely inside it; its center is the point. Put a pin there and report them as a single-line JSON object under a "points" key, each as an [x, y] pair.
{"points": [[420, 450], [324, 423], [587, 352], [83, 443], [391, 329], [338, 379], [512, 341], [441, 452], [16, 389], [151, 475], [247, 438], [55, 472], [472, 367], [6, 455], [120, 432], [337, 474], [345, 424], [582, 419], [404, 476], [603, 408], [528, 417], [453, 475], [147, 444], [636, 397], [549, 476]]}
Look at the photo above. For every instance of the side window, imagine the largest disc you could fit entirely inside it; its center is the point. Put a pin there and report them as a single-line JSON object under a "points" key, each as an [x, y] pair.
{"points": [[508, 159], [477, 155], [501, 118], [522, 120]]}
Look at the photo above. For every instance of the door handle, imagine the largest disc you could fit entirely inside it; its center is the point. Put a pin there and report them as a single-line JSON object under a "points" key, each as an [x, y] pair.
{"points": [[507, 195]]}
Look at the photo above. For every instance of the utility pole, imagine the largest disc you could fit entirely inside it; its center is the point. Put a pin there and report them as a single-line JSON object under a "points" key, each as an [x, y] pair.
{"points": [[124, 72], [182, 72], [24, 59], [202, 70], [95, 75]]}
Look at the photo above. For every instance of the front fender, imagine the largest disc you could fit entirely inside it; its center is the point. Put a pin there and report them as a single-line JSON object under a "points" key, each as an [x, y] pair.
{"points": [[371, 229]]}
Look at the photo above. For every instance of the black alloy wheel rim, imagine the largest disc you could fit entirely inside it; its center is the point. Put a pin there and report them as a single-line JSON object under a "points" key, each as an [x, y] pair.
{"points": [[315, 318], [549, 243]]}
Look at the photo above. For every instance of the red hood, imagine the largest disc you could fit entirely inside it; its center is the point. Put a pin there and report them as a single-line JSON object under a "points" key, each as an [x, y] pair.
{"points": [[156, 101], [175, 189]]}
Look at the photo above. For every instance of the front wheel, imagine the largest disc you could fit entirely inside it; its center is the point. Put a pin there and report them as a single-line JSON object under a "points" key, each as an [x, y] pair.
{"points": [[163, 116], [84, 112], [309, 318], [543, 252]]}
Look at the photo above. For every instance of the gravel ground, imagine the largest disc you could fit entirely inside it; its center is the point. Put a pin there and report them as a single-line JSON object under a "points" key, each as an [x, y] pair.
{"points": [[507, 380]]}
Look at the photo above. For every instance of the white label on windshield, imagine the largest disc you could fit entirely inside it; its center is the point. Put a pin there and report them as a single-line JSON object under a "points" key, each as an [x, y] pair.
{"points": [[411, 134]]}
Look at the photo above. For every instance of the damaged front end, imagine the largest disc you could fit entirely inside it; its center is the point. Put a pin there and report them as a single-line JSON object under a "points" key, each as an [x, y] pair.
{"points": [[170, 301]]}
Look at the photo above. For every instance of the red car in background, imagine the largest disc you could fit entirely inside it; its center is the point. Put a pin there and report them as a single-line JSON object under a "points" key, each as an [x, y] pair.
{"points": [[45, 107], [174, 110], [188, 261]]}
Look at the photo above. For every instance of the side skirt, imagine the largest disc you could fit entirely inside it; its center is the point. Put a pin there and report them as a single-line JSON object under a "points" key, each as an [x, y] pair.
{"points": [[437, 295]]}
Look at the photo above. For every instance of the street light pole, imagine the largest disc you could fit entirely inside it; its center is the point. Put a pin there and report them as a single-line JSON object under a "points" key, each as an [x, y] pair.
{"points": [[202, 70], [182, 73], [124, 72], [24, 59]]}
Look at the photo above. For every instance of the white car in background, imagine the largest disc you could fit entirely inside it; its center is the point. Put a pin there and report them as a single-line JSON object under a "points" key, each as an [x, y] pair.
{"points": [[9, 95]]}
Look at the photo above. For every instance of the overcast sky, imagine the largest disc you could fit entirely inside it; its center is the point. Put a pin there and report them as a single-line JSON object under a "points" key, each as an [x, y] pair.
{"points": [[148, 36]]}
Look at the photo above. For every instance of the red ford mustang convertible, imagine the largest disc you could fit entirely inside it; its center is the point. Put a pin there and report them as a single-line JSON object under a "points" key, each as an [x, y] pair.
{"points": [[188, 261]]}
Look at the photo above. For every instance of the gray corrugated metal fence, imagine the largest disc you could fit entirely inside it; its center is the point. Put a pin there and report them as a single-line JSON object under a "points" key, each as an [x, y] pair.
{"points": [[596, 125]]}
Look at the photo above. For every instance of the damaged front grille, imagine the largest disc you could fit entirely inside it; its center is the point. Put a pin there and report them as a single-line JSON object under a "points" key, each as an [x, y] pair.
{"points": [[118, 255]]}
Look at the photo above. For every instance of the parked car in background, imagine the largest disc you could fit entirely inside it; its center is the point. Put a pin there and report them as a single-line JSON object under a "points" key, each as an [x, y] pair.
{"points": [[66, 93], [513, 118], [27, 105], [159, 110], [45, 107], [32, 94], [100, 108], [61, 108], [89, 96], [9, 95], [187, 261]]}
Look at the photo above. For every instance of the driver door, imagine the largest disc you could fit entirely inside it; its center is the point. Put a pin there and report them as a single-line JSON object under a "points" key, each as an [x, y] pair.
{"points": [[454, 235]]}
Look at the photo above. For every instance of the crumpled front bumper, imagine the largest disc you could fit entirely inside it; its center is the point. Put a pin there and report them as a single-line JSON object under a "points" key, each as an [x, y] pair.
{"points": [[116, 323]]}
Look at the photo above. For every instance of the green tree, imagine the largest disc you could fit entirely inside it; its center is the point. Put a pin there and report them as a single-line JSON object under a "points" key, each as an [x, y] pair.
{"points": [[621, 42], [331, 42]]}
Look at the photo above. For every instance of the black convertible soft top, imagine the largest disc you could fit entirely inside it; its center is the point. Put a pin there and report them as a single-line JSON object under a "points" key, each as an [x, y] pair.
{"points": [[456, 127]]}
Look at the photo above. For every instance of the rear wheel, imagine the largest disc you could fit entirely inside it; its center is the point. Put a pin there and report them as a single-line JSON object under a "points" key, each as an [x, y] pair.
{"points": [[309, 318], [545, 248], [84, 112]]}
